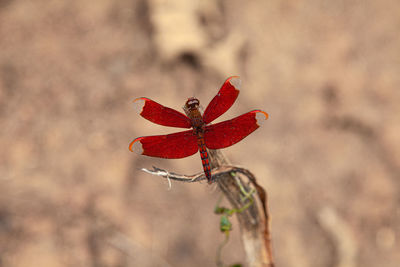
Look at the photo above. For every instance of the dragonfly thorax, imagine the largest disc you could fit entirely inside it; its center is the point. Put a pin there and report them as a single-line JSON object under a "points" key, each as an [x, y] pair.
{"points": [[193, 112]]}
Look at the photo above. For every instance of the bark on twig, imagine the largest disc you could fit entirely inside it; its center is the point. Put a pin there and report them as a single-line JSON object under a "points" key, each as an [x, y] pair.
{"points": [[254, 221]]}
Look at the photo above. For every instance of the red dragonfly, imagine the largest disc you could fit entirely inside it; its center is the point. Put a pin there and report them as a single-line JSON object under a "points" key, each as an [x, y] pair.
{"points": [[203, 135]]}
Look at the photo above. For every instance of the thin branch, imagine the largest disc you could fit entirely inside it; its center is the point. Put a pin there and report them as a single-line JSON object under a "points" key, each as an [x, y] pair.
{"points": [[176, 177], [216, 174]]}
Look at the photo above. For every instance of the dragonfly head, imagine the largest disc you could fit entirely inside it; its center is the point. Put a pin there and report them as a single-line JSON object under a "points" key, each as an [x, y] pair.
{"points": [[192, 103]]}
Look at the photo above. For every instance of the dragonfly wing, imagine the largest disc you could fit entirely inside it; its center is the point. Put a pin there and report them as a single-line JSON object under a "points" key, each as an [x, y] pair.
{"points": [[170, 146], [230, 132], [160, 114], [223, 100]]}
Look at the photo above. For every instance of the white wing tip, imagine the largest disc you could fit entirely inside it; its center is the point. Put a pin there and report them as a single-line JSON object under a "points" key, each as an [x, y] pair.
{"points": [[136, 146], [261, 117], [138, 104], [236, 82]]}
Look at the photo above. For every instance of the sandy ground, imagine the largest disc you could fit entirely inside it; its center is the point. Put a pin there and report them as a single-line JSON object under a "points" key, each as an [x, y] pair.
{"points": [[327, 72]]}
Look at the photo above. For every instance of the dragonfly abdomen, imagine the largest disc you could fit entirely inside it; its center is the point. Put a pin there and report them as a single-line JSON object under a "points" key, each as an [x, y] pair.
{"points": [[204, 158]]}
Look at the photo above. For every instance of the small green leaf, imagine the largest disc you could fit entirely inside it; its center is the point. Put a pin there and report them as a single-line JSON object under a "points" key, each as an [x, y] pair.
{"points": [[225, 225], [220, 210]]}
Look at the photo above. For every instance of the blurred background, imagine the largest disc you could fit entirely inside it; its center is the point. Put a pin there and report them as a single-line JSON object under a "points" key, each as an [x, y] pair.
{"points": [[327, 72]]}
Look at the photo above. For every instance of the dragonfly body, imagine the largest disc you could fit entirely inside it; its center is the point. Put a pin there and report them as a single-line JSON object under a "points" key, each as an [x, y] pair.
{"points": [[203, 134], [191, 109]]}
